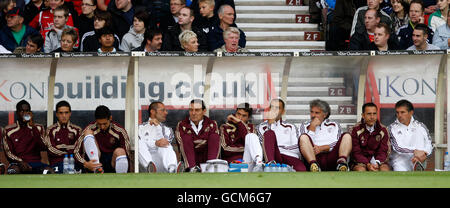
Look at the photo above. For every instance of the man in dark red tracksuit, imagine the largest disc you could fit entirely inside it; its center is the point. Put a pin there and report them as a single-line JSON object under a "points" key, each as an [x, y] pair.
{"points": [[370, 141], [61, 137], [232, 133], [198, 137], [2, 155], [105, 143], [23, 142]]}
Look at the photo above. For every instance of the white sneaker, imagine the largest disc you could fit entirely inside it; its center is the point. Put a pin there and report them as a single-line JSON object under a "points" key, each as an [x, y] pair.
{"points": [[259, 167], [172, 168]]}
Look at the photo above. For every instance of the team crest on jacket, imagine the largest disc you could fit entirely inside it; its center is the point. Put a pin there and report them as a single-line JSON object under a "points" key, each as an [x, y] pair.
{"points": [[378, 138], [71, 136], [112, 140]]}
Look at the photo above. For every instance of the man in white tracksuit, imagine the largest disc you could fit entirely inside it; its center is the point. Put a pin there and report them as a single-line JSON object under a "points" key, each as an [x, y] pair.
{"points": [[410, 139], [278, 138], [156, 153]]}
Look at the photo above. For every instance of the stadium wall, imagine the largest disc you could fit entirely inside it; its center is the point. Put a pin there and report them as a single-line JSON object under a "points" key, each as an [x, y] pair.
{"points": [[128, 82]]}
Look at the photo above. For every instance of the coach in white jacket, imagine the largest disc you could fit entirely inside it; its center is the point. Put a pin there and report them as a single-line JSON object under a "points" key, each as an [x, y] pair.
{"points": [[156, 153], [410, 139]]}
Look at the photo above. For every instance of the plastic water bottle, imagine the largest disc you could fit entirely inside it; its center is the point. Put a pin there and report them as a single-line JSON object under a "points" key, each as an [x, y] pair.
{"points": [[71, 164], [267, 168], [446, 162], [284, 168], [66, 165], [277, 168]]}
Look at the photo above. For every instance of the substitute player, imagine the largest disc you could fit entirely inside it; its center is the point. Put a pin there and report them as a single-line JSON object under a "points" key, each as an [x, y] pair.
{"points": [[156, 153], [23, 142], [410, 139], [280, 138], [321, 141], [370, 146], [238, 139], [61, 137], [105, 143]]}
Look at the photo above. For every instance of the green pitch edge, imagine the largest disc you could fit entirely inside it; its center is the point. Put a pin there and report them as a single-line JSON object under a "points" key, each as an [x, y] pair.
{"points": [[233, 180]]}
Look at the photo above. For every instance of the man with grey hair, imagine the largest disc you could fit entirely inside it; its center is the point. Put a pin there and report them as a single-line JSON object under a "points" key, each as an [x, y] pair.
{"points": [[226, 20], [231, 38], [322, 144]]}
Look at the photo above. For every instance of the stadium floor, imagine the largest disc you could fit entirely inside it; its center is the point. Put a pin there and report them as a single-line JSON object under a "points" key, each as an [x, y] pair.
{"points": [[427, 179]]}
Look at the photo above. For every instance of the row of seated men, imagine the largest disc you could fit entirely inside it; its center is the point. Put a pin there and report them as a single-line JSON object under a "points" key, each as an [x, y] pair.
{"points": [[387, 24], [316, 145], [129, 28]]}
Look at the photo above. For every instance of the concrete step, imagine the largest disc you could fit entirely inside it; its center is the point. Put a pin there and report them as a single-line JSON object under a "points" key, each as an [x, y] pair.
{"points": [[324, 98], [321, 81], [306, 112], [260, 2], [265, 18], [272, 9], [332, 117], [275, 36], [307, 91], [285, 44], [306, 107], [246, 27]]}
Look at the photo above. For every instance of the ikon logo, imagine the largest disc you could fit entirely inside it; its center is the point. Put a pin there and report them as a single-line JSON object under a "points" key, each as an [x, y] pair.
{"points": [[1, 93]]}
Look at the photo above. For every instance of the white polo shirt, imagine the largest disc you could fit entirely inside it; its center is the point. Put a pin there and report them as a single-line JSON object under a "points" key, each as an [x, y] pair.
{"points": [[328, 133]]}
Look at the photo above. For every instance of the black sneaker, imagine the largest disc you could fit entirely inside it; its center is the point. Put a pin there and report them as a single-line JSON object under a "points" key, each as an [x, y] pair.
{"points": [[195, 169], [418, 166], [343, 167]]}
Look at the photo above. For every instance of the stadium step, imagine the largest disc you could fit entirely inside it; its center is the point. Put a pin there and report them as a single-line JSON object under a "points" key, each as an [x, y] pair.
{"points": [[279, 27], [275, 36], [264, 18], [260, 2], [272, 9], [316, 45]]}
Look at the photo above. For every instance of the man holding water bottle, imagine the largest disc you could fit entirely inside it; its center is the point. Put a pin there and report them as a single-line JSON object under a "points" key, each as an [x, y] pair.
{"points": [[61, 137], [23, 142]]}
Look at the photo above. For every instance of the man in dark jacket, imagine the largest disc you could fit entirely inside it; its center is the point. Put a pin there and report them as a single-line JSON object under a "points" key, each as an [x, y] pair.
{"points": [[185, 18], [358, 20], [384, 39], [341, 25], [15, 33], [362, 38], [215, 36], [416, 12], [122, 12]]}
